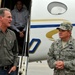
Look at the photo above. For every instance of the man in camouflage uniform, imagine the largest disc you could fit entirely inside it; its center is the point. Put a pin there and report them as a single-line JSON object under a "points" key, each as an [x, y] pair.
{"points": [[61, 55]]}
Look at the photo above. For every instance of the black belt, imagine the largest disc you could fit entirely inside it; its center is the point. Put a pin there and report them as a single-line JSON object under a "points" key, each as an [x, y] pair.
{"points": [[5, 67], [20, 27]]}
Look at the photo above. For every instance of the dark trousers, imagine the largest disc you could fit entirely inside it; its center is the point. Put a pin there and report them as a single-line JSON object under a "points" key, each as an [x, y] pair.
{"points": [[5, 72]]}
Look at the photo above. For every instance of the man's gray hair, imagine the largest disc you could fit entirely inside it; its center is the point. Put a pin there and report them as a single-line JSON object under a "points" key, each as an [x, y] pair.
{"points": [[2, 10]]}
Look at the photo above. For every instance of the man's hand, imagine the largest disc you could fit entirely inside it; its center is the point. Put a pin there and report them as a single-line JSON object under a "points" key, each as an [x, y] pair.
{"points": [[59, 64], [21, 34], [12, 69]]}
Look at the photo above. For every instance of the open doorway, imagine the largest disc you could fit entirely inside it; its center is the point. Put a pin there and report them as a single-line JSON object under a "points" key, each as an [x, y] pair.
{"points": [[11, 3]]}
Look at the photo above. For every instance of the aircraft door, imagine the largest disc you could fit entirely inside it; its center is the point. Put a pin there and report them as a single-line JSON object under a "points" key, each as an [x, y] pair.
{"points": [[10, 4]]}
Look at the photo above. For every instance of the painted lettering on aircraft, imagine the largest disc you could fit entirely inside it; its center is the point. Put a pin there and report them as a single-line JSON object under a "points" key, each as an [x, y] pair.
{"points": [[38, 41]]}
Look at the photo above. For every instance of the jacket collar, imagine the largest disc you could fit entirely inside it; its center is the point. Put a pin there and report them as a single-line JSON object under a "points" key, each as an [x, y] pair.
{"points": [[68, 43]]}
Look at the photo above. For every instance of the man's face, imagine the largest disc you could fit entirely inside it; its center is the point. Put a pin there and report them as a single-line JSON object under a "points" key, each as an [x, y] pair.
{"points": [[19, 5], [6, 19], [63, 34]]}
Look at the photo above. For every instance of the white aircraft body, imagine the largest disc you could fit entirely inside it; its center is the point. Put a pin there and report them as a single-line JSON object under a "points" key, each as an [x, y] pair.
{"points": [[46, 15]]}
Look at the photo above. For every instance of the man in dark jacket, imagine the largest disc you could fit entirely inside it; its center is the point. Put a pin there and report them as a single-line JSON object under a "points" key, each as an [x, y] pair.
{"points": [[19, 22]]}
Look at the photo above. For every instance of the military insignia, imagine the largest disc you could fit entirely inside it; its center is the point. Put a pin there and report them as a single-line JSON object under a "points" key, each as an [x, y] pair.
{"points": [[71, 46]]}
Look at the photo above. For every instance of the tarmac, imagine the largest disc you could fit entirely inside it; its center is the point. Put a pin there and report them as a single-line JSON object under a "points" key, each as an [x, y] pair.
{"points": [[39, 68]]}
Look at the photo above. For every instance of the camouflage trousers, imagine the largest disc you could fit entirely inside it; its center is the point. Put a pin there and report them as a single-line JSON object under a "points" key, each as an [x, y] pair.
{"points": [[63, 72]]}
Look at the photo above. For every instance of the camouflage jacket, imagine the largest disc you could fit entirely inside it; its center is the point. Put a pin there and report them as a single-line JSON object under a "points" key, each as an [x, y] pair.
{"points": [[66, 54]]}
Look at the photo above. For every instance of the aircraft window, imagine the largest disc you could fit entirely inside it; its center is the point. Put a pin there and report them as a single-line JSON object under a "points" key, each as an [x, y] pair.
{"points": [[57, 8]]}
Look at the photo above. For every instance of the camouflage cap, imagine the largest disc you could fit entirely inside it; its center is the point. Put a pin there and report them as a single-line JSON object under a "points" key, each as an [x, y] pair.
{"points": [[65, 26]]}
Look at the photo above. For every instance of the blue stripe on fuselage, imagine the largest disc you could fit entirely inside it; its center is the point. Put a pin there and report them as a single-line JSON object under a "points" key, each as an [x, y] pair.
{"points": [[46, 25]]}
